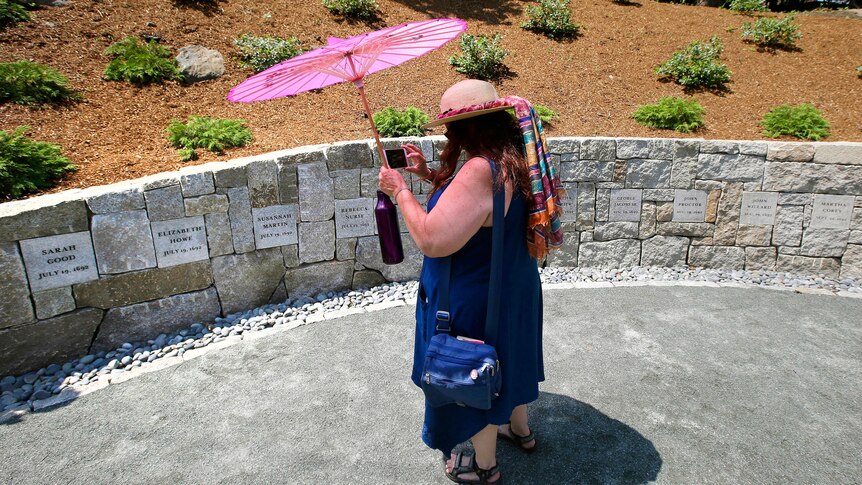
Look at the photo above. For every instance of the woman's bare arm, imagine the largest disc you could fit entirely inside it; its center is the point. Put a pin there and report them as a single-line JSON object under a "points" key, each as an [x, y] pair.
{"points": [[460, 211]]}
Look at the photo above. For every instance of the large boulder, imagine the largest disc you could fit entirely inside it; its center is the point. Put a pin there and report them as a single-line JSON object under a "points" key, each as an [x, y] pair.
{"points": [[53, 341], [197, 63], [246, 281], [15, 306], [146, 320], [368, 254], [312, 279]]}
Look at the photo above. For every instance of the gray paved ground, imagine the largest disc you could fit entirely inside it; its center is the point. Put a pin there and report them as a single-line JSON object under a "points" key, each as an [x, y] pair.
{"points": [[673, 384]]}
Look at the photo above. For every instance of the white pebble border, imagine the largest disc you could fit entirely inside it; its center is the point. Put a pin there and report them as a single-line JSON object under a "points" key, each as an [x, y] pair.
{"points": [[56, 383]]}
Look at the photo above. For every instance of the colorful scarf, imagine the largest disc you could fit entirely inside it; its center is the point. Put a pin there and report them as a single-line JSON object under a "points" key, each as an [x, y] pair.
{"points": [[544, 224]]}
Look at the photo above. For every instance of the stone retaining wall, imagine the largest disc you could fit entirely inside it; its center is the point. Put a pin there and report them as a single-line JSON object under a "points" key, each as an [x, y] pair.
{"points": [[86, 270]]}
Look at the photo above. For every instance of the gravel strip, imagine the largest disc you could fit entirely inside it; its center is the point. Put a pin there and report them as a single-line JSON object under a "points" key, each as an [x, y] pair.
{"points": [[57, 383]]}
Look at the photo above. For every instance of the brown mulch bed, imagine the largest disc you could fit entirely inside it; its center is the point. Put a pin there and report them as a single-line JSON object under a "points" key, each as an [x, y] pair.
{"points": [[594, 81]]}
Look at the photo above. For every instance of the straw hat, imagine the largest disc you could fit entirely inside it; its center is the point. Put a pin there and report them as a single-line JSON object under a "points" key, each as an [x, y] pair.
{"points": [[466, 94]]}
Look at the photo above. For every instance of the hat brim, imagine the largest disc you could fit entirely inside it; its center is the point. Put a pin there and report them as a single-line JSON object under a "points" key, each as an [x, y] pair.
{"points": [[461, 116]]}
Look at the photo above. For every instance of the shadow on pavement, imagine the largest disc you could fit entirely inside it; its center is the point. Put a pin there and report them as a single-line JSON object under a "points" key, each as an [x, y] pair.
{"points": [[69, 395], [579, 444]]}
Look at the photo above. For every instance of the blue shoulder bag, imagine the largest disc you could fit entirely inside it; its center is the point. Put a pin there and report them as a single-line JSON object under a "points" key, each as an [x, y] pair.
{"points": [[466, 372]]}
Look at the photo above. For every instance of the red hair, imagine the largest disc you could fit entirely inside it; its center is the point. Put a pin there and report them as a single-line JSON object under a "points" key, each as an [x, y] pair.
{"points": [[494, 135]]}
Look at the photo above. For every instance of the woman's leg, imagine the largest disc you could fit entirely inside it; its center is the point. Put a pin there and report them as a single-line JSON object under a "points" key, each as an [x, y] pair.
{"points": [[520, 420], [519, 425], [485, 445]]}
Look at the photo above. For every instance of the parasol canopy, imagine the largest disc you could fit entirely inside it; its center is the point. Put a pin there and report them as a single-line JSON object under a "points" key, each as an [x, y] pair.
{"points": [[349, 59]]}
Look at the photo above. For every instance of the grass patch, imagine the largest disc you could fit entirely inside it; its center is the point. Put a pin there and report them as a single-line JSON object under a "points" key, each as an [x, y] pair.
{"points": [[353, 9], [772, 33], [697, 65], [393, 123], [12, 12], [27, 165], [547, 115], [140, 63], [481, 56], [802, 121], [746, 6], [261, 53], [671, 113], [26, 82], [213, 134], [552, 19]]}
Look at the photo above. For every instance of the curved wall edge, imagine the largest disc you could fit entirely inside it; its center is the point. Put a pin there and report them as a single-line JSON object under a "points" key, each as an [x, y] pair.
{"points": [[88, 269]]}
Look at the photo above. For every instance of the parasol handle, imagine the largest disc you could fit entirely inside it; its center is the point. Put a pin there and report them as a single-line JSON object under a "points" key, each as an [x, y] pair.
{"points": [[361, 87]]}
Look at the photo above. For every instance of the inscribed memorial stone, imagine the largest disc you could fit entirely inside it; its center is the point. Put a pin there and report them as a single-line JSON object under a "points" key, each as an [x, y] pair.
{"points": [[689, 205], [275, 226], [354, 218], [832, 211], [758, 208], [570, 203], [56, 261], [180, 241], [625, 205]]}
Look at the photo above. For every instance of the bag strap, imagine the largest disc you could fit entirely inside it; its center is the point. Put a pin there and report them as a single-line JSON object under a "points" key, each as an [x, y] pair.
{"points": [[443, 316]]}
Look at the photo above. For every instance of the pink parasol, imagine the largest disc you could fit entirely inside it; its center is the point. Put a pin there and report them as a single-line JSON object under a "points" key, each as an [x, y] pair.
{"points": [[349, 59]]}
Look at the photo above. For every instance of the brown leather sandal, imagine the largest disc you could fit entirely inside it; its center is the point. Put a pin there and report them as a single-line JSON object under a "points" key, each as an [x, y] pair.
{"points": [[519, 440]]}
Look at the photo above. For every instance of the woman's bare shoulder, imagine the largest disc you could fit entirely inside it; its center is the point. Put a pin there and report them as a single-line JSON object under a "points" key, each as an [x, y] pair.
{"points": [[475, 171]]}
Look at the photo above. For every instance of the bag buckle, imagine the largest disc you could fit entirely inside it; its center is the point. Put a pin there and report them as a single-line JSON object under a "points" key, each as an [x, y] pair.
{"points": [[490, 367], [442, 317]]}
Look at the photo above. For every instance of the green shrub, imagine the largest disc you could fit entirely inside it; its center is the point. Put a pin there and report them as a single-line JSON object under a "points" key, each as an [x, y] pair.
{"points": [[551, 18], [11, 12], [140, 63], [671, 113], [27, 165], [26, 82], [547, 115], [260, 53], [355, 9], [772, 33], [746, 6], [391, 122], [214, 134], [859, 70], [801, 121], [481, 56], [697, 65]]}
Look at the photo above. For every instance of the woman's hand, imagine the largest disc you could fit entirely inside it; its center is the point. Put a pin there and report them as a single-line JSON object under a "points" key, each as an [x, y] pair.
{"points": [[391, 181], [415, 156]]}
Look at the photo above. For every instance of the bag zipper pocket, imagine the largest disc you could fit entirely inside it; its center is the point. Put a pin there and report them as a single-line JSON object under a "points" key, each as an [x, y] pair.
{"points": [[454, 383], [454, 359], [484, 365]]}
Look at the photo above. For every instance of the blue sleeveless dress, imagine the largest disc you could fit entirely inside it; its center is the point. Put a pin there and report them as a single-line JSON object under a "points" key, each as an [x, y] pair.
{"points": [[519, 345]]}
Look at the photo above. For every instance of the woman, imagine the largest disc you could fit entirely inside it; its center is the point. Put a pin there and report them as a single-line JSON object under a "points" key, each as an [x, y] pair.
{"points": [[458, 224]]}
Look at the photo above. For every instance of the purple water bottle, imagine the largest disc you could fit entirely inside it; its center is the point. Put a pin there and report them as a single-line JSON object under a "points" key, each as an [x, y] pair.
{"points": [[388, 230]]}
